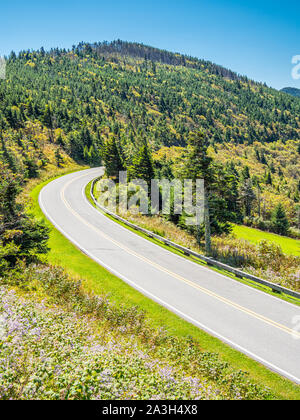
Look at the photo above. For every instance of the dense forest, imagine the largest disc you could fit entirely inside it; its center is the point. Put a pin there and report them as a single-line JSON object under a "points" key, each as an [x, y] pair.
{"points": [[121, 98]]}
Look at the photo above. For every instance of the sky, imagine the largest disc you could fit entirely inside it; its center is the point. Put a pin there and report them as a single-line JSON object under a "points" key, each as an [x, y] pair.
{"points": [[253, 38]]}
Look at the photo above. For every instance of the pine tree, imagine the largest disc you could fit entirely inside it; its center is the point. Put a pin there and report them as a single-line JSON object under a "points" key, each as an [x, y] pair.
{"points": [[269, 178], [112, 158], [47, 120], [58, 157], [198, 165], [246, 173], [142, 165], [247, 196], [280, 221]]}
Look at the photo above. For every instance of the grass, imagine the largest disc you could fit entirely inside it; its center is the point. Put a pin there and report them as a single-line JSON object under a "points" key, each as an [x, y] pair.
{"points": [[98, 280], [289, 246], [169, 231]]}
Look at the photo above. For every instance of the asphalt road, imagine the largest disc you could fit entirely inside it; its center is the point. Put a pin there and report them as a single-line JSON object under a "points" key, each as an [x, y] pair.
{"points": [[260, 325]]}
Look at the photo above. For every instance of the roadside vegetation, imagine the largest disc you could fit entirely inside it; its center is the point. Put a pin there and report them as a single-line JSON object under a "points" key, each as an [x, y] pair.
{"points": [[222, 206], [60, 343], [68, 328]]}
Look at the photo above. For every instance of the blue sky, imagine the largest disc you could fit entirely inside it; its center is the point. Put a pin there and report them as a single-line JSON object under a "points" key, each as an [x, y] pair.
{"points": [[255, 38]]}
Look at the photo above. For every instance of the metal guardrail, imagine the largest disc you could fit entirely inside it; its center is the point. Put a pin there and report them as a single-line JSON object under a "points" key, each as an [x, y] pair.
{"points": [[188, 252]]}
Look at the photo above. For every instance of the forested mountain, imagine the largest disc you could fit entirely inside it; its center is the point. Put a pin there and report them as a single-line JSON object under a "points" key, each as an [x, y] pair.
{"points": [[66, 103], [292, 91]]}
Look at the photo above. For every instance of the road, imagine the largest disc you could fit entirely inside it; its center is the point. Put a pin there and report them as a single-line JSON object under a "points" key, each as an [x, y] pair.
{"points": [[253, 322]]}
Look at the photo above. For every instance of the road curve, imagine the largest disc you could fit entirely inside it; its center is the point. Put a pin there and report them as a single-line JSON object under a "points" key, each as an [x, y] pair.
{"points": [[259, 325]]}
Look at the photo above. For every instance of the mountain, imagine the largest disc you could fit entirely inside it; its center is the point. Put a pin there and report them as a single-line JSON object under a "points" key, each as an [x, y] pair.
{"points": [[292, 91], [64, 104]]}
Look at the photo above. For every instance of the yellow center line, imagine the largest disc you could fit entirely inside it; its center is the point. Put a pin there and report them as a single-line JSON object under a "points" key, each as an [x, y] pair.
{"points": [[172, 274]]}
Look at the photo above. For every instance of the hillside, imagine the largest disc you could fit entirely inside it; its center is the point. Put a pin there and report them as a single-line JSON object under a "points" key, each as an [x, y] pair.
{"points": [[292, 91], [64, 104], [62, 109]]}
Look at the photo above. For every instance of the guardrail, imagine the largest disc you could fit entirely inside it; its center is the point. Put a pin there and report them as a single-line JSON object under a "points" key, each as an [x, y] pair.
{"points": [[188, 252]]}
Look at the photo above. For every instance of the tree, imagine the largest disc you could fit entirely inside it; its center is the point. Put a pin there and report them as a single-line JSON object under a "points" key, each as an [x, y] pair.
{"points": [[246, 173], [59, 158], [198, 165], [247, 196], [32, 167], [142, 165], [47, 120], [269, 178], [112, 158], [280, 221], [21, 238]]}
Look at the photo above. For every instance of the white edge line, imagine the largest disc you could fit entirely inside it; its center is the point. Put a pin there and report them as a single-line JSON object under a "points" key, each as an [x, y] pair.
{"points": [[165, 304], [204, 268]]}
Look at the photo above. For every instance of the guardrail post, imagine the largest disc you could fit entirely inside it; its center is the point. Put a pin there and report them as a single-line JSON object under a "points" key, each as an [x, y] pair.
{"points": [[276, 291]]}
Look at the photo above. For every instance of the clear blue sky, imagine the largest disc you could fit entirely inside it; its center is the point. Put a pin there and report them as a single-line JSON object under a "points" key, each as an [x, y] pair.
{"points": [[255, 38]]}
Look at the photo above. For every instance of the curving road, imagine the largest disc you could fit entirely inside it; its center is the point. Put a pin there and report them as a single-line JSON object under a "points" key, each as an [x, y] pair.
{"points": [[257, 324]]}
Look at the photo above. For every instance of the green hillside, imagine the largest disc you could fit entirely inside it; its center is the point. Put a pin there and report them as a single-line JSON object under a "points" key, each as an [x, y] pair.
{"points": [[292, 91], [156, 114], [76, 99]]}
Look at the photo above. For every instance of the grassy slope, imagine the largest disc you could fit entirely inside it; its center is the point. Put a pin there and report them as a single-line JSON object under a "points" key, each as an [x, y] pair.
{"points": [[97, 279], [289, 246]]}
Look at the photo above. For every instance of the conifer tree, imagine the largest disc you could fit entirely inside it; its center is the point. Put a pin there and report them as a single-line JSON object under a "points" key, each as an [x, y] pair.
{"points": [[58, 157], [47, 120], [112, 158], [142, 165], [280, 221], [247, 196], [198, 165]]}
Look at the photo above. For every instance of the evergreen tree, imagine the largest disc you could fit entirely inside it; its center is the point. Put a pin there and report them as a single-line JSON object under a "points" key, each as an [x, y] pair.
{"points": [[198, 165], [269, 178], [112, 158], [58, 157], [247, 196], [47, 120], [32, 168], [246, 173], [22, 236], [142, 165], [280, 221], [47, 117]]}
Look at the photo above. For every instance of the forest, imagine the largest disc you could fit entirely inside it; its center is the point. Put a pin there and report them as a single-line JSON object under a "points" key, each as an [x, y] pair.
{"points": [[66, 104]]}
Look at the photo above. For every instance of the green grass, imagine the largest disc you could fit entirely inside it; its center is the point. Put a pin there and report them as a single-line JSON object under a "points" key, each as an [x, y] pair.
{"points": [[174, 250], [289, 246], [98, 280]]}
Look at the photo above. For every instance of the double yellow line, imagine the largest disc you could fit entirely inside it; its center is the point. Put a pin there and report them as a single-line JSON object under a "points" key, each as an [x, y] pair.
{"points": [[228, 302]]}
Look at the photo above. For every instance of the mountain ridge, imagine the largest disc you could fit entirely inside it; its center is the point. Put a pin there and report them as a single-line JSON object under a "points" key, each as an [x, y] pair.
{"points": [[292, 91]]}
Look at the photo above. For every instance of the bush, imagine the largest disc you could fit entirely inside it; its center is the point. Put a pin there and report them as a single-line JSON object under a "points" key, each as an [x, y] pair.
{"points": [[294, 233]]}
